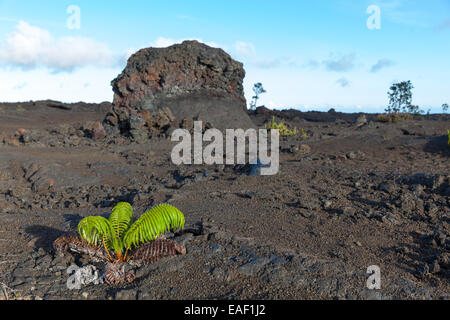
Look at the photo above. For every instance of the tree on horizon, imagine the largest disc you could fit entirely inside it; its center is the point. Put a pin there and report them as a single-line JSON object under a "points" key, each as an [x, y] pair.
{"points": [[445, 107], [400, 98], [258, 89]]}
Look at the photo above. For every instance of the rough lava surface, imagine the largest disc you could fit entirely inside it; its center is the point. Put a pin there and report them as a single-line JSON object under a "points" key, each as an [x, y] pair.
{"points": [[348, 196], [188, 80]]}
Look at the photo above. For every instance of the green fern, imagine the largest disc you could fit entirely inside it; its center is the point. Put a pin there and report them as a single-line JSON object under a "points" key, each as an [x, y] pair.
{"points": [[120, 220], [95, 230], [117, 233], [153, 224]]}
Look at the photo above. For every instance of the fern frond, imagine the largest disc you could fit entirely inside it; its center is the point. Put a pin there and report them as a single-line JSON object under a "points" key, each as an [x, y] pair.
{"points": [[120, 219], [151, 252], [72, 242], [154, 223], [95, 230]]}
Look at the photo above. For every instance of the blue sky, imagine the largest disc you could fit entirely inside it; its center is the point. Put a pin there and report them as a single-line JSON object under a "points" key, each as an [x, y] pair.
{"points": [[308, 54]]}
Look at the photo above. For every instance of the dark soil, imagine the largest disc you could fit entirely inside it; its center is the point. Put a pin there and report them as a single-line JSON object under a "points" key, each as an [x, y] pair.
{"points": [[350, 194]]}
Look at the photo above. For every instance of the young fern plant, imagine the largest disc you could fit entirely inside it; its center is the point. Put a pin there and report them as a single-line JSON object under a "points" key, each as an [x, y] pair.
{"points": [[118, 235]]}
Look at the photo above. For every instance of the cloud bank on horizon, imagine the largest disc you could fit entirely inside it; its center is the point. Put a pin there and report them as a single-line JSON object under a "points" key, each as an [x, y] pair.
{"points": [[308, 56], [32, 47]]}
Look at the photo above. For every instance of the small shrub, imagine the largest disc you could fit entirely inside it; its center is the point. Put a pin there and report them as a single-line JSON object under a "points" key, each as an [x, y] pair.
{"points": [[394, 117], [448, 133], [303, 133], [284, 130]]}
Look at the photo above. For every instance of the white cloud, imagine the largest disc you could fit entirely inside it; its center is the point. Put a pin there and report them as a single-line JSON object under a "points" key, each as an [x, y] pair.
{"points": [[20, 86], [162, 42], [273, 105], [343, 82], [382, 63], [267, 63], [29, 47], [311, 64], [403, 12], [89, 84], [245, 49], [129, 53], [341, 64]]}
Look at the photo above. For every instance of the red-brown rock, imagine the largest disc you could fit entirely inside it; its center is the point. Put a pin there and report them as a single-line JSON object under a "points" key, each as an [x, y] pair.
{"points": [[187, 80]]}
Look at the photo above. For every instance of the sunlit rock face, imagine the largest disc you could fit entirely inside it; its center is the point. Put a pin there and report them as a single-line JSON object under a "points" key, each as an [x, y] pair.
{"points": [[189, 80]]}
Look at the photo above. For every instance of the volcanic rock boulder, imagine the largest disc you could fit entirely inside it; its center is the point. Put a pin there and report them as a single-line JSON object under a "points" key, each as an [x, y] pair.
{"points": [[161, 87]]}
